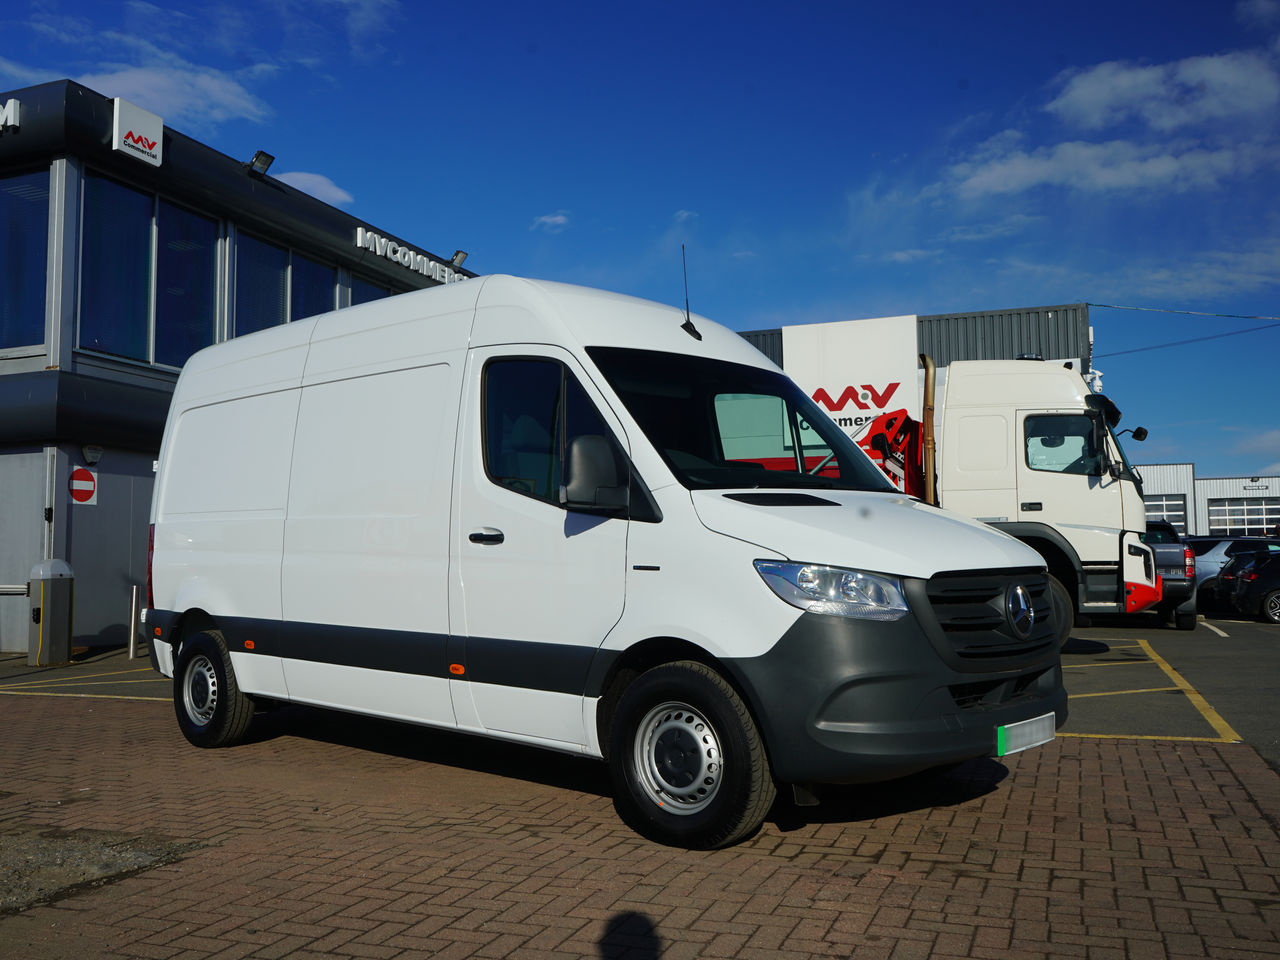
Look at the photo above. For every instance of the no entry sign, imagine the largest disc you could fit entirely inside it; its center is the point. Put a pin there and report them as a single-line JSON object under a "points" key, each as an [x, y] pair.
{"points": [[83, 486]]}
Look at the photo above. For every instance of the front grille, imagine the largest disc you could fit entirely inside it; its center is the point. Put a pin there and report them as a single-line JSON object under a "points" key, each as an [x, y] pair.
{"points": [[971, 610]]}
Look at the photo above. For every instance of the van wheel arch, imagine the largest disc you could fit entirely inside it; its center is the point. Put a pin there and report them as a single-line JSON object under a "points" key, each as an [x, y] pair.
{"points": [[644, 656]]}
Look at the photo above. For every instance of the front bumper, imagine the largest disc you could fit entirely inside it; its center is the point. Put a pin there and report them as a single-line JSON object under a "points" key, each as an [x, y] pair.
{"points": [[853, 701]]}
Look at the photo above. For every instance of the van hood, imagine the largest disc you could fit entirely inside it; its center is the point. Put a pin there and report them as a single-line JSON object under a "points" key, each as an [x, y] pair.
{"points": [[880, 532]]}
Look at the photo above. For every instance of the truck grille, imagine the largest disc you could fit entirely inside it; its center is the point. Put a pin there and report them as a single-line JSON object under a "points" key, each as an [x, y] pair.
{"points": [[971, 610]]}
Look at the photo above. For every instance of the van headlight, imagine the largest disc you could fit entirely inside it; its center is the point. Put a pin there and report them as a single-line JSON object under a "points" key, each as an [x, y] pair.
{"points": [[835, 591]]}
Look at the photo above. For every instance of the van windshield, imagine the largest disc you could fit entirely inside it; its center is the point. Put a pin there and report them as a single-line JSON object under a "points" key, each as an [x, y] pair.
{"points": [[725, 425]]}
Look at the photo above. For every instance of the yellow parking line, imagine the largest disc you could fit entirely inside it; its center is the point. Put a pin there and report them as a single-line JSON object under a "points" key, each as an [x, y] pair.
{"points": [[81, 696], [1122, 663], [87, 676], [1117, 693], [72, 682], [1224, 729], [1135, 736]]}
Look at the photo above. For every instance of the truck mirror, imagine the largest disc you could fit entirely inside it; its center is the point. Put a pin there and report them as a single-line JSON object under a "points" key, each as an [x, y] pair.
{"points": [[592, 477], [1140, 434]]}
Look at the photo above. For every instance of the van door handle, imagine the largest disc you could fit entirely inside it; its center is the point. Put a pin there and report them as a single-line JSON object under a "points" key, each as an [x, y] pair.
{"points": [[1034, 505], [486, 535]]}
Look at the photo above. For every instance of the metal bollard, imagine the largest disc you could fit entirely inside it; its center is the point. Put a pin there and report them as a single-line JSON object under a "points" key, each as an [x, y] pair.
{"points": [[51, 591]]}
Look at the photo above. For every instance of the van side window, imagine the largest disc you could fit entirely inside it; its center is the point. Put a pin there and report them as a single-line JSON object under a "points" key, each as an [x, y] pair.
{"points": [[533, 409], [1062, 443]]}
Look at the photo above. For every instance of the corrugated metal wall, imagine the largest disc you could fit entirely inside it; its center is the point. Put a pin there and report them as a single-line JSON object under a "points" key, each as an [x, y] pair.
{"points": [[1056, 332]]}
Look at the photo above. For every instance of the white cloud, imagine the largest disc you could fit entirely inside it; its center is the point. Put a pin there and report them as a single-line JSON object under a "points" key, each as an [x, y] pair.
{"points": [[975, 233], [551, 222], [185, 96], [1114, 165], [1166, 97], [1258, 13], [910, 256], [682, 215], [1267, 443], [318, 185]]}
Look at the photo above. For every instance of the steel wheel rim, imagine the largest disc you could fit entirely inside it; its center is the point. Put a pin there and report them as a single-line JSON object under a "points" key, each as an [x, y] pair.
{"points": [[200, 690], [677, 758]]}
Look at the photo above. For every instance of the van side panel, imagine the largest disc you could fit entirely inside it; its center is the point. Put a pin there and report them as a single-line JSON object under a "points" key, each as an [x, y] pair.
{"points": [[366, 540], [367, 534], [220, 514]]}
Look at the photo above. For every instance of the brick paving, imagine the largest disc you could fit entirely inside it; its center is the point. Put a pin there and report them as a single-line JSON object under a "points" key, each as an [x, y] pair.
{"points": [[335, 837]]}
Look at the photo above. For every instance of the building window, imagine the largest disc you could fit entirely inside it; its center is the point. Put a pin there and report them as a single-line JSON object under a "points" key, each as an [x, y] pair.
{"points": [[1244, 516], [312, 287], [1168, 506], [362, 291], [24, 247], [115, 269], [186, 284], [262, 285]]}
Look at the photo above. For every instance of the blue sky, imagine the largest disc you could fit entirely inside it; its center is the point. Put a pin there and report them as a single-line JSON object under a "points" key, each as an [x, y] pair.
{"points": [[820, 161]]}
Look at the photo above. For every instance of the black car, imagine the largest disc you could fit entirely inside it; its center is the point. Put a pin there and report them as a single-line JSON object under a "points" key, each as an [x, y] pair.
{"points": [[1258, 589], [1224, 589]]}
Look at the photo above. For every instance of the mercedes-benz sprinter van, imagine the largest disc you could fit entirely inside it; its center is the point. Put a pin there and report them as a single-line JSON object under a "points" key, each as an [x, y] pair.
{"points": [[587, 522]]}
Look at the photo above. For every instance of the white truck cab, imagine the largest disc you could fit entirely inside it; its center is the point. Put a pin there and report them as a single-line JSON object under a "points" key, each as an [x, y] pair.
{"points": [[587, 522]]}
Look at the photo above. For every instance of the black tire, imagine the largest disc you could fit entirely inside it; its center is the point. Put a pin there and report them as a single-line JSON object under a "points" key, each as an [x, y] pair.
{"points": [[1185, 621], [1064, 610], [687, 762], [1269, 612], [211, 710]]}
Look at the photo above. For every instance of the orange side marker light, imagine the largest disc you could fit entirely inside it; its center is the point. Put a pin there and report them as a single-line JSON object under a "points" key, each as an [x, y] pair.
{"points": [[457, 669], [248, 644]]}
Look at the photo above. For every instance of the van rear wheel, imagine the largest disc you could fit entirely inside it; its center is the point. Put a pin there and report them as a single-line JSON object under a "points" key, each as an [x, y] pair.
{"points": [[211, 710], [688, 764]]}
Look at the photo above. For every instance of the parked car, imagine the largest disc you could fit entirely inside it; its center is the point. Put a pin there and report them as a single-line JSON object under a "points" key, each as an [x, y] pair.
{"points": [[1224, 589], [1176, 564], [1258, 588], [1212, 552]]}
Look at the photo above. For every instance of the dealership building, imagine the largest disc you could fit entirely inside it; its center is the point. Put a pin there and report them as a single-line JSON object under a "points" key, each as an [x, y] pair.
{"points": [[1211, 506], [127, 246]]}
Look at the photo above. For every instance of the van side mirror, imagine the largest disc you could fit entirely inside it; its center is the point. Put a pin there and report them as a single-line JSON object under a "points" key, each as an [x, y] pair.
{"points": [[592, 482]]}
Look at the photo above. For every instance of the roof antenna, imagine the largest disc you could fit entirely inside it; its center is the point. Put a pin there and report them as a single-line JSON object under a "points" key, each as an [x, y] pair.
{"points": [[687, 326]]}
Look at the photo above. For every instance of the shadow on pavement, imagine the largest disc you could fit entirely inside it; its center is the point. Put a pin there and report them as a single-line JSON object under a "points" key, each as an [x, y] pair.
{"points": [[431, 745], [944, 787]]}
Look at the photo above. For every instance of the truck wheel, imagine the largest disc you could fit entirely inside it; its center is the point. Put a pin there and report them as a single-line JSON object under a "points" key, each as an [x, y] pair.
{"points": [[1063, 609], [1185, 621], [212, 712], [1271, 607], [687, 763]]}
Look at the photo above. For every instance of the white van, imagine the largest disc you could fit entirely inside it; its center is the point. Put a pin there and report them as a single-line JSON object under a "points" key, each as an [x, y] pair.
{"points": [[588, 522]]}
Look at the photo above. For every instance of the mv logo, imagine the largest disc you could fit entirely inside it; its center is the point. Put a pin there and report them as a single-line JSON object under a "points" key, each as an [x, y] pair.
{"points": [[859, 396], [139, 140]]}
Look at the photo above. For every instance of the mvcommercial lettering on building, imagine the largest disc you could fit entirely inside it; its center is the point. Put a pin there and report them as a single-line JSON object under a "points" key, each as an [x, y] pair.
{"points": [[406, 257]]}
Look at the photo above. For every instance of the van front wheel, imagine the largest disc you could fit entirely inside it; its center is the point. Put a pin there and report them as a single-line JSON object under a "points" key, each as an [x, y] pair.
{"points": [[687, 762], [212, 712]]}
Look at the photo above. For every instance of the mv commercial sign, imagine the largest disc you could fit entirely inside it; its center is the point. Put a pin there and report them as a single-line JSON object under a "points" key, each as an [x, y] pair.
{"points": [[407, 257], [856, 370], [137, 132]]}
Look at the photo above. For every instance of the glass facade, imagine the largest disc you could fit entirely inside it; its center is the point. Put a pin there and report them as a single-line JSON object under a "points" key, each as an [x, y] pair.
{"points": [[312, 288], [262, 285], [364, 292], [186, 284], [115, 269], [155, 281], [24, 250]]}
